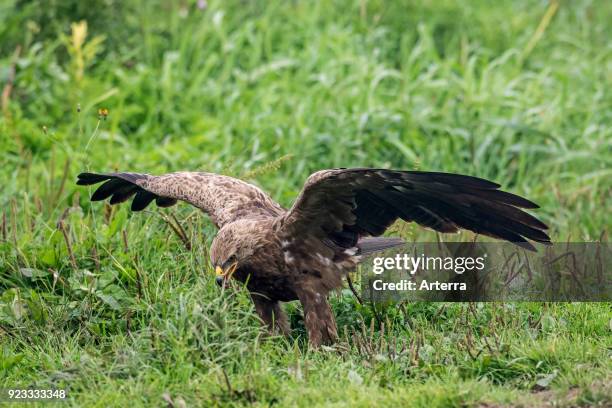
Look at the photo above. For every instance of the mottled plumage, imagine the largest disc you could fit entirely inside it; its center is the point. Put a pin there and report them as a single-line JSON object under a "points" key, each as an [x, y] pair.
{"points": [[304, 252]]}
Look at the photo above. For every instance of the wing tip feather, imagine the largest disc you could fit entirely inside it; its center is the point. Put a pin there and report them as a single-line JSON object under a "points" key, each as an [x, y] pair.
{"points": [[86, 179]]}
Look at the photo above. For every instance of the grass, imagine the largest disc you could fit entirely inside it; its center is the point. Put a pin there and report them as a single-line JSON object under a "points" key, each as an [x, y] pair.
{"points": [[114, 307]]}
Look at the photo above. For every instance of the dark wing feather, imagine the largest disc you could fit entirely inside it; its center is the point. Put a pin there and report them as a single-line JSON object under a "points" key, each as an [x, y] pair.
{"points": [[142, 200], [340, 206], [225, 199]]}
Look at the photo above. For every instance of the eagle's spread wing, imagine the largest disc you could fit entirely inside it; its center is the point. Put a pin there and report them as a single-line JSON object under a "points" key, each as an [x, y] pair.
{"points": [[224, 199], [338, 207]]}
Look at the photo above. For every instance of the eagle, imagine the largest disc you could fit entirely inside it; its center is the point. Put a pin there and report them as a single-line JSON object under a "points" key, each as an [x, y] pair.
{"points": [[304, 252]]}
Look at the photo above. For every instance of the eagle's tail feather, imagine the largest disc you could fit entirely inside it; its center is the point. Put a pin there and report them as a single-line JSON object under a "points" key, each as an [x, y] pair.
{"points": [[370, 245]]}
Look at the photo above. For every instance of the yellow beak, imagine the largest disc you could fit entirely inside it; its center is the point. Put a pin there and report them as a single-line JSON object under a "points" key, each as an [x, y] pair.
{"points": [[228, 272], [219, 271]]}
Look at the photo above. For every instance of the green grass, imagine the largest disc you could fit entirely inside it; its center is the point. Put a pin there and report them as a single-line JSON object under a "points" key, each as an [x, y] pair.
{"points": [[518, 92]]}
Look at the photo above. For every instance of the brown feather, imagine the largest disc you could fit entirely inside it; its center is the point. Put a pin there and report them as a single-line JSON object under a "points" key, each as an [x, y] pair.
{"points": [[225, 199]]}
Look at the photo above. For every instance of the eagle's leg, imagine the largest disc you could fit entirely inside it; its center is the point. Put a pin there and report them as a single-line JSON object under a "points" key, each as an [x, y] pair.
{"points": [[318, 317], [272, 314]]}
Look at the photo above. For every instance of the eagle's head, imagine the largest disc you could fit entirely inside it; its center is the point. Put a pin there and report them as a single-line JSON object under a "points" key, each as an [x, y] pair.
{"points": [[233, 247]]}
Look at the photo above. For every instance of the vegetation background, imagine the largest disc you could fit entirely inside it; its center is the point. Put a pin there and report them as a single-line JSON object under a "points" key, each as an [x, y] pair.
{"points": [[122, 308]]}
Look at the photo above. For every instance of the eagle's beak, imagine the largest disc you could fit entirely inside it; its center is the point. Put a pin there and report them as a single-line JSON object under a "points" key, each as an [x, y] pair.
{"points": [[225, 275], [218, 271]]}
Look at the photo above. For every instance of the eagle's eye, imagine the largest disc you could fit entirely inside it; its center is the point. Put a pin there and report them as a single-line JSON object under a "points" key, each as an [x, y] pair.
{"points": [[231, 260]]}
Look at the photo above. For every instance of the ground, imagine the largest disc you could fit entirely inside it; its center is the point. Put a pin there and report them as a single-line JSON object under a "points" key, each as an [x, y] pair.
{"points": [[120, 307]]}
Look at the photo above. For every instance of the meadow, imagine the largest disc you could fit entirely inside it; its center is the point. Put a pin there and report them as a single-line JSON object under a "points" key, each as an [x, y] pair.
{"points": [[122, 308]]}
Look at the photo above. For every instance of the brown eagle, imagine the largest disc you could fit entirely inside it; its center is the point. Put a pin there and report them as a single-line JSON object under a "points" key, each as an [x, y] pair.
{"points": [[304, 252]]}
